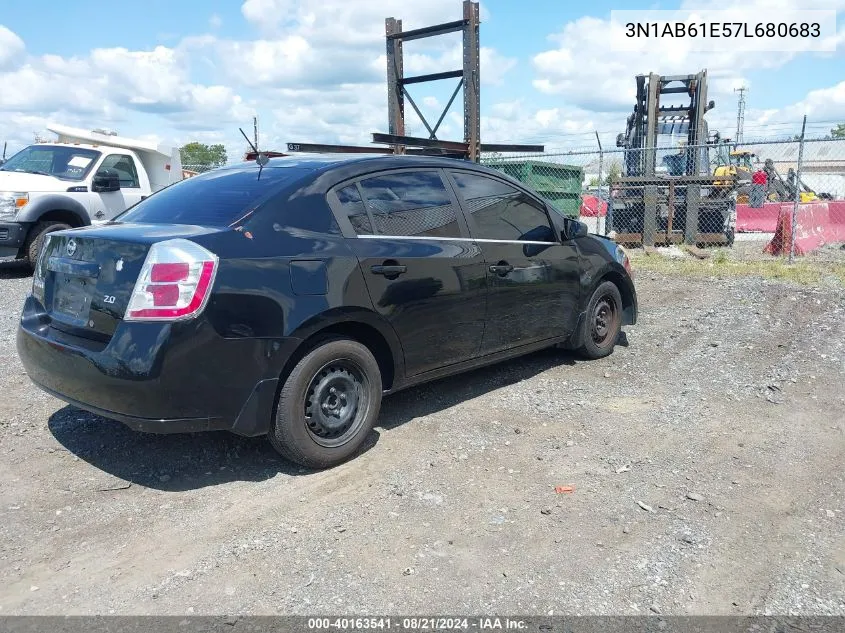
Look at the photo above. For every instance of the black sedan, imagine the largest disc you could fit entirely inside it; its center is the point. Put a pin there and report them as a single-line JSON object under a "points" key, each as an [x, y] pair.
{"points": [[287, 299]]}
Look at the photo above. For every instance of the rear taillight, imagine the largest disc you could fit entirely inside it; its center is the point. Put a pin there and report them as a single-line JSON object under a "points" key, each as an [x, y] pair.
{"points": [[174, 283], [40, 272]]}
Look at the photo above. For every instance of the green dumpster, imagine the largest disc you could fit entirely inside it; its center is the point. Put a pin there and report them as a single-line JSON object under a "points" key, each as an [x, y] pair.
{"points": [[557, 183]]}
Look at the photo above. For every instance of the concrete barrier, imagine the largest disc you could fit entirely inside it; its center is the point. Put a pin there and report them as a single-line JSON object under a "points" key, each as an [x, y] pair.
{"points": [[818, 223], [758, 219]]}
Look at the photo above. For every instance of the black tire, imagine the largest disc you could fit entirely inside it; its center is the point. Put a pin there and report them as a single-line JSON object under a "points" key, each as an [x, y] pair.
{"points": [[602, 323], [328, 404], [36, 239]]}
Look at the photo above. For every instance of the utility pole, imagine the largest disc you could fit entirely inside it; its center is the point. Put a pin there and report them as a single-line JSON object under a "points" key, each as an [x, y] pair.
{"points": [[740, 113], [255, 131]]}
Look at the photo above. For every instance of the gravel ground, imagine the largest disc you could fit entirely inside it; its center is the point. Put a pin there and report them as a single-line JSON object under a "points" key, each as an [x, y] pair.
{"points": [[705, 457]]}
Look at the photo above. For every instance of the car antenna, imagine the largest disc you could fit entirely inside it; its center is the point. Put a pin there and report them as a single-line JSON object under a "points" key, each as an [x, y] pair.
{"points": [[261, 159], [254, 148]]}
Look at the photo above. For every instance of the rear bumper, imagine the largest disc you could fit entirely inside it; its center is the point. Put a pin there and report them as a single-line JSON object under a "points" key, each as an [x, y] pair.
{"points": [[158, 378], [148, 425], [12, 238]]}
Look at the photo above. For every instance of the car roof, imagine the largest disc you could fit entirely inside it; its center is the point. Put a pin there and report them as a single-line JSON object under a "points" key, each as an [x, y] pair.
{"points": [[373, 161]]}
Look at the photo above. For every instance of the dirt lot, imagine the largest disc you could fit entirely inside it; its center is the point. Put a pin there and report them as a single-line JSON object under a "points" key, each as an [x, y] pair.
{"points": [[706, 459]]}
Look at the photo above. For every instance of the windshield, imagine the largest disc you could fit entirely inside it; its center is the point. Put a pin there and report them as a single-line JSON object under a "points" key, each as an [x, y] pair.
{"points": [[60, 161], [215, 198]]}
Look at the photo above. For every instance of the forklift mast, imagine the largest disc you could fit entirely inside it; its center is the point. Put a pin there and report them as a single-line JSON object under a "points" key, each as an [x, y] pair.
{"points": [[650, 118]]}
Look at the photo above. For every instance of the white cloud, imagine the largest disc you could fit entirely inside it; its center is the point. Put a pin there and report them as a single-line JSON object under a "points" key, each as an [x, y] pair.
{"points": [[105, 87], [215, 21], [348, 22], [585, 70], [316, 73], [330, 42], [11, 47], [826, 104], [267, 62], [494, 66], [267, 14]]}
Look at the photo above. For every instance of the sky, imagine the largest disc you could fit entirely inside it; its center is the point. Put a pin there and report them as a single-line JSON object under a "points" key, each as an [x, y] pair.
{"points": [[314, 71]]}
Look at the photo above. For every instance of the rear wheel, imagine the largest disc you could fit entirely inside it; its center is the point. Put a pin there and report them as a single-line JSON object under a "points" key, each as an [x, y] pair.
{"points": [[36, 238], [328, 404], [603, 322]]}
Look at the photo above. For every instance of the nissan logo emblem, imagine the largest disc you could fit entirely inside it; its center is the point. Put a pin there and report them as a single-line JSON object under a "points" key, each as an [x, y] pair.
{"points": [[71, 247]]}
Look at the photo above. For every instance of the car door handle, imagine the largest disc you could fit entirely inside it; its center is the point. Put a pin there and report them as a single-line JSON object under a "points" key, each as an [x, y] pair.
{"points": [[501, 268], [388, 271]]}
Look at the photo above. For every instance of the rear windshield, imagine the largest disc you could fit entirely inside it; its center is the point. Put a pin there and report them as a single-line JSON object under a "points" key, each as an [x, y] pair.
{"points": [[216, 198]]}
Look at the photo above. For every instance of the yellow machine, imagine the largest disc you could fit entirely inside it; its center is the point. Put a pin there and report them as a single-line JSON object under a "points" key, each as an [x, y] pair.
{"points": [[736, 165], [739, 166]]}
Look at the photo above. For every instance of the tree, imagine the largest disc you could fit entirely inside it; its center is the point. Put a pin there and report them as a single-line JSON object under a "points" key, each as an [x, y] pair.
{"points": [[614, 171], [199, 155], [838, 131]]}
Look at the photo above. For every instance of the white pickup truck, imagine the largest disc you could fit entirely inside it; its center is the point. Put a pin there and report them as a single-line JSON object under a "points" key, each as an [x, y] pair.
{"points": [[83, 178]]}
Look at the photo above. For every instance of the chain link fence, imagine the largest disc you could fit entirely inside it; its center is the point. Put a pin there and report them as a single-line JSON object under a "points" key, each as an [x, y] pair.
{"points": [[788, 194], [706, 195], [194, 170]]}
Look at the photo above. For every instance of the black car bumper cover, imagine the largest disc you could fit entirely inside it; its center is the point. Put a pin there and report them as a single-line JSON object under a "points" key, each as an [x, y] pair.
{"points": [[191, 381]]}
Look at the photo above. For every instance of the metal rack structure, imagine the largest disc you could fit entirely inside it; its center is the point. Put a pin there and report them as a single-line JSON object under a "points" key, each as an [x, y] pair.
{"points": [[469, 76]]}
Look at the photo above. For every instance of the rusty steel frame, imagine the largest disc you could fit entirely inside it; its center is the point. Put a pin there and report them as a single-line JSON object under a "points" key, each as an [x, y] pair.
{"points": [[469, 80]]}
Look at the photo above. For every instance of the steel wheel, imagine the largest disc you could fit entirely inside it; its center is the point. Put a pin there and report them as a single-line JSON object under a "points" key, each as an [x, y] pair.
{"points": [[605, 321], [602, 322], [336, 403]]}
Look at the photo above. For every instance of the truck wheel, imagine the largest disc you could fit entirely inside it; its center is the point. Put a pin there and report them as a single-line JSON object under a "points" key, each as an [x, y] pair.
{"points": [[603, 322], [328, 404], [36, 238]]}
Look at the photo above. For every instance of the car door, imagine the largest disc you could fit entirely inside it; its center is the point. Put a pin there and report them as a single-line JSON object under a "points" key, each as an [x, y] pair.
{"points": [[533, 276], [107, 204], [423, 274]]}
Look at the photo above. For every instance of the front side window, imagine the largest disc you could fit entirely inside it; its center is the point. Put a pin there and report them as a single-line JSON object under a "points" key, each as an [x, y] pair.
{"points": [[411, 204], [65, 162], [501, 212], [124, 165]]}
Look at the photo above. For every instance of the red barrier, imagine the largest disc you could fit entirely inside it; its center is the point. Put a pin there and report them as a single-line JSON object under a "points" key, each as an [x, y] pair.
{"points": [[758, 219], [592, 207], [818, 223]]}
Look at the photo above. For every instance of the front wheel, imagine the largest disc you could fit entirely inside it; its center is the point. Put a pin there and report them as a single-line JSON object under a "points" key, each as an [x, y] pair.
{"points": [[602, 323], [328, 404]]}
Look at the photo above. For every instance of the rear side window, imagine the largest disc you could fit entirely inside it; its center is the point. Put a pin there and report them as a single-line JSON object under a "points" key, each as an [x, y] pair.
{"points": [[216, 198], [411, 203], [353, 207]]}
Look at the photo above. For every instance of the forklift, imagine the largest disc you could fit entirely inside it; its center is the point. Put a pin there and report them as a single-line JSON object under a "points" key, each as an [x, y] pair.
{"points": [[679, 203]]}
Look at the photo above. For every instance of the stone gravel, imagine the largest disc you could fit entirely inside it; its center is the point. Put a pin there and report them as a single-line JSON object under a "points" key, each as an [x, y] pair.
{"points": [[698, 471]]}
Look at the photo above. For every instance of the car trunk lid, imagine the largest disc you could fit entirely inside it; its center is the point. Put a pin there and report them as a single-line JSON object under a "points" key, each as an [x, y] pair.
{"points": [[86, 276]]}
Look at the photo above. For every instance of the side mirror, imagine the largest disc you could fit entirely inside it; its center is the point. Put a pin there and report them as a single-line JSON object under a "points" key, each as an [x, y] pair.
{"points": [[573, 229], [105, 181]]}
